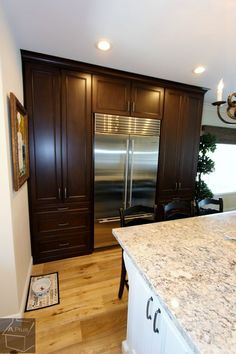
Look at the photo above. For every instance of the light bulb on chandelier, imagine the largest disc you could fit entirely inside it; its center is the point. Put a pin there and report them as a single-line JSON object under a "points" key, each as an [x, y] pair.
{"points": [[231, 102]]}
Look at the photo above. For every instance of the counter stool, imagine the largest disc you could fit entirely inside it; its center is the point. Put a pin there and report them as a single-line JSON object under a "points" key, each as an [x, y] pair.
{"points": [[178, 209], [133, 216], [201, 206]]}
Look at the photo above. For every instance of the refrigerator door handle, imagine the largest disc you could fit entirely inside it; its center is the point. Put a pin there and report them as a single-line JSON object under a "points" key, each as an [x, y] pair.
{"points": [[126, 172], [131, 173]]}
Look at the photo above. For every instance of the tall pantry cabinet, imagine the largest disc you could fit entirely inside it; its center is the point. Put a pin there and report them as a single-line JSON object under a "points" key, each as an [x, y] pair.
{"points": [[59, 107], [179, 145]]}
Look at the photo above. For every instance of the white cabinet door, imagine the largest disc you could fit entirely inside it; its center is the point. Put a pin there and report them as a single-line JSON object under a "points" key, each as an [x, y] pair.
{"points": [[158, 327], [139, 333], [145, 327], [174, 342], [150, 330]]}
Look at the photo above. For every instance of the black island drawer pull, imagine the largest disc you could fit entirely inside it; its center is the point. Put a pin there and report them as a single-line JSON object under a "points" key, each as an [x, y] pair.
{"points": [[64, 244], [149, 317], [155, 329], [63, 224]]}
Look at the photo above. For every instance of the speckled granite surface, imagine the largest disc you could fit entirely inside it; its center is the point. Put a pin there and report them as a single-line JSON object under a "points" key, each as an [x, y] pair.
{"points": [[192, 269]]}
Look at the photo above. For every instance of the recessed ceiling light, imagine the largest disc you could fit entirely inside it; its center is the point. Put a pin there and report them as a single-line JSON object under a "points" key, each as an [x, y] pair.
{"points": [[199, 70], [104, 45]]}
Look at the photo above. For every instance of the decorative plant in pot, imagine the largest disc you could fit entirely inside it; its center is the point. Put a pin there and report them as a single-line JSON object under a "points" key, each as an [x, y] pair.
{"points": [[205, 165]]}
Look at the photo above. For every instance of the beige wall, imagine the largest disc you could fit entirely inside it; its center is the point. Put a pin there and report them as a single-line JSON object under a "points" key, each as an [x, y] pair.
{"points": [[210, 117], [15, 252]]}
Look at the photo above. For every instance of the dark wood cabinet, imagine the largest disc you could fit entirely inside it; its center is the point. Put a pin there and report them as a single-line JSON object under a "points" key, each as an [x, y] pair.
{"points": [[76, 136], [125, 97], [180, 136], [59, 107], [147, 100], [111, 95], [61, 97], [43, 106], [61, 234]]}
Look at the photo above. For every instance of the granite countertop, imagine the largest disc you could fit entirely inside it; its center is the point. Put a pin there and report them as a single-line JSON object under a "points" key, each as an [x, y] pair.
{"points": [[192, 269]]}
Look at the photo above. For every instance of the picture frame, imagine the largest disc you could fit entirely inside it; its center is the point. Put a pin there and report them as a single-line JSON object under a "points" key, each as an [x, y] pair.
{"points": [[19, 142]]}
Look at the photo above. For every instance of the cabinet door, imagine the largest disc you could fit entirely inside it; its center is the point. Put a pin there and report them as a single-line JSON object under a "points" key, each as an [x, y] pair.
{"points": [[42, 86], [174, 342], [76, 136], [111, 95], [190, 136], [147, 101], [140, 312], [167, 181]]}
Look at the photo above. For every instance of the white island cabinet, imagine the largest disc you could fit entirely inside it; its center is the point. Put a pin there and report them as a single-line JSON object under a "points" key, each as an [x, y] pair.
{"points": [[182, 276], [150, 330]]}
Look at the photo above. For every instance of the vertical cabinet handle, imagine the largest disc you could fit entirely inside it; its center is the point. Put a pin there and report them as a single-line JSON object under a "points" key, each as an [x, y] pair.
{"points": [[148, 316], [65, 192], [155, 329], [59, 192], [178, 185], [128, 106], [133, 106]]}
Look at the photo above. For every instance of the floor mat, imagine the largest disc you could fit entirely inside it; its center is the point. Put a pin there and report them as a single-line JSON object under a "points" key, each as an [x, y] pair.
{"points": [[51, 298]]}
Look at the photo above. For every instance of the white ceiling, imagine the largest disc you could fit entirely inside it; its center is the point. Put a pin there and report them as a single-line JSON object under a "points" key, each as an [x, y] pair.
{"points": [[160, 38]]}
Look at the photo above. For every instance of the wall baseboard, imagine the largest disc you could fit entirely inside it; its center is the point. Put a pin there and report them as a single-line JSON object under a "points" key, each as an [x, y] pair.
{"points": [[20, 314], [125, 348]]}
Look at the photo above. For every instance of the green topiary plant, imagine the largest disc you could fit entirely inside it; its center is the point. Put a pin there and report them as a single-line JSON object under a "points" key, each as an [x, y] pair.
{"points": [[205, 165]]}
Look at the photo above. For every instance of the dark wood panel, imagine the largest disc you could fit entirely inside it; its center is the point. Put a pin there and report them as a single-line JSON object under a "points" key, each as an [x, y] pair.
{"points": [[169, 144], [76, 136], [190, 136], [147, 101], [62, 246], [111, 95], [47, 223], [43, 105]]}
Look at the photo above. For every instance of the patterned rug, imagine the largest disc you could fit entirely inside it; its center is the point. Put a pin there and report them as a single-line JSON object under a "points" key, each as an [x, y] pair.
{"points": [[49, 299]]}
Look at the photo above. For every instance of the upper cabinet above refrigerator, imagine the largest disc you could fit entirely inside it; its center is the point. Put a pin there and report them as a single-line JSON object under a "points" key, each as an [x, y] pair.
{"points": [[124, 97]]}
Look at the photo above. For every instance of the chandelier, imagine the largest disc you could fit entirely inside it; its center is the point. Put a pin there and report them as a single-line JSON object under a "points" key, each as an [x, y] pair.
{"points": [[231, 104]]}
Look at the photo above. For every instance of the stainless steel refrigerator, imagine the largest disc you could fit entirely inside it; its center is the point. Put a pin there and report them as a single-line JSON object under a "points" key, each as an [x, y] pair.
{"points": [[126, 160]]}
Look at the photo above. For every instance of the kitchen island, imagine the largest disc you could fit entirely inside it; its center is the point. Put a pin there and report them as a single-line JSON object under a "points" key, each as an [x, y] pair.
{"points": [[189, 267]]}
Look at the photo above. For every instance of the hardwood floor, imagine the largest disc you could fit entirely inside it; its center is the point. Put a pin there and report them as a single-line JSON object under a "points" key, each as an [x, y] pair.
{"points": [[90, 318]]}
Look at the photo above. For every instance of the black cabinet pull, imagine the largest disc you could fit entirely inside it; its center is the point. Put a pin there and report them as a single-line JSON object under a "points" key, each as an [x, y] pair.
{"points": [[63, 224], [64, 244], [155, 329], [148, 316]]}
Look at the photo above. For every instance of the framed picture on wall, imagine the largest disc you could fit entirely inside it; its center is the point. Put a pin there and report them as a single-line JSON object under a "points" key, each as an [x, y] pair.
{"points": [[20, 142]]}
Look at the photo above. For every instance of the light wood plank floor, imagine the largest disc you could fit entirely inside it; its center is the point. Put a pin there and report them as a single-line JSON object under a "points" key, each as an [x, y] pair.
{"points": [[90, 318]]}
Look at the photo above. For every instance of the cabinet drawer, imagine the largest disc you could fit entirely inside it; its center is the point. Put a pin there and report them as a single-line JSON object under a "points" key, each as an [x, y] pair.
{"points": [[63, 246], [73, 220]]}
